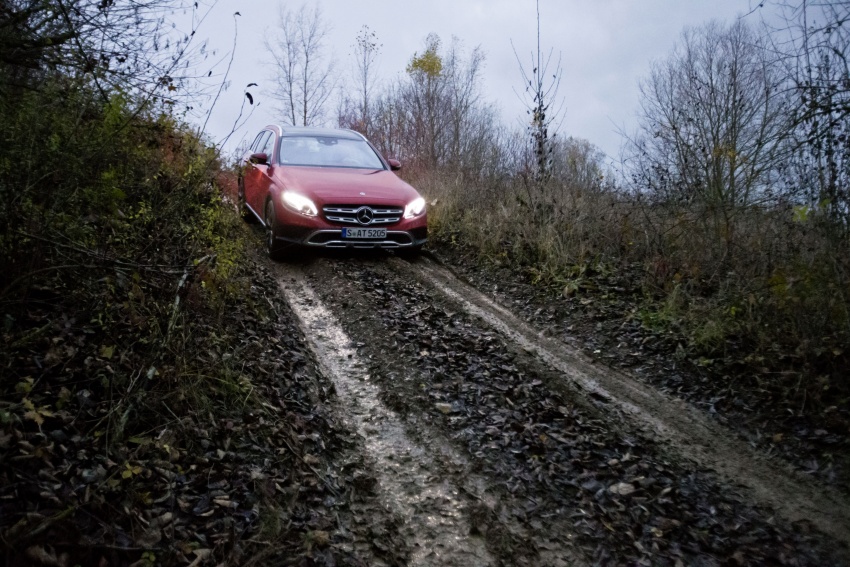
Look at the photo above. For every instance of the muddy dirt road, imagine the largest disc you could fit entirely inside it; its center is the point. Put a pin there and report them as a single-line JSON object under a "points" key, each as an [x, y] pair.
{"points": [[494, 445]]}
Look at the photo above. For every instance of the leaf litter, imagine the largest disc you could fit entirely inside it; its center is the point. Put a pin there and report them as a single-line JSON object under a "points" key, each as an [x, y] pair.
{"points": [[108, 458], [758, 398], [264, 472], [624, 500]]}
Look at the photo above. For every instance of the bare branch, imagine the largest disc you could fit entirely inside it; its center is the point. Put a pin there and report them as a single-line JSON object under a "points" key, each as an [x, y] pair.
{"points": [[305, 80]]}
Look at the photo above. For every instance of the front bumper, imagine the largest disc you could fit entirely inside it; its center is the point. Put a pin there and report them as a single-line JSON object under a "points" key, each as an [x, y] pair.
{"points": [[332, 238], [318, 232]]}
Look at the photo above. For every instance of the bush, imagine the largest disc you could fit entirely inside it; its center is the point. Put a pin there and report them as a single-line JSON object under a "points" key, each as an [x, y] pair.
{"points": [[774, 291], [110, 222]]}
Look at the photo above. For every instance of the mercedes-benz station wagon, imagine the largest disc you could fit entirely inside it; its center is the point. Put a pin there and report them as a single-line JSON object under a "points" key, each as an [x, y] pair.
{"points": [[327, 188]]}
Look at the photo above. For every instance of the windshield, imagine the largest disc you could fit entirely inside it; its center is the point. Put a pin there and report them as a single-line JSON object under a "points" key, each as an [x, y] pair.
{"points": [[328, 151]]}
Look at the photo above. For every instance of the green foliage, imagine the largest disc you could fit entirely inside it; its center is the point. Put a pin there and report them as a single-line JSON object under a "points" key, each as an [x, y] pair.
{"points": [[109, 213], [429, 64], [119, 267]]}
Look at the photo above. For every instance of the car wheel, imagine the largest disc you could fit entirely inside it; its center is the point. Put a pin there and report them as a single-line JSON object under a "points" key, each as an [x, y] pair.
{"points": [[241, 206], [277, 250]]}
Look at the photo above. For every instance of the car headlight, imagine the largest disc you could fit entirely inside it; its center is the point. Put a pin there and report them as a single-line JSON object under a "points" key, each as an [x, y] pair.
{"points": [[414, 208], [300, 204]]}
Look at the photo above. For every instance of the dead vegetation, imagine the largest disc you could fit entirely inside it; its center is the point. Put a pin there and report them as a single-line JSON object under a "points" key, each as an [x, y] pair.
{"points": [[571, 470], [720, 242], [157, 405]]}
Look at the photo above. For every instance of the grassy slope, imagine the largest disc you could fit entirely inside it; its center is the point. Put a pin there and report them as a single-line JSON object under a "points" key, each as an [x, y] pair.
{"points": [[157, 402]]}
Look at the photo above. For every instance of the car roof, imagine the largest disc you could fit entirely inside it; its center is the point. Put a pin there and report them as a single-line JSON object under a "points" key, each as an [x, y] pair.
{"points": [[313, 131]]}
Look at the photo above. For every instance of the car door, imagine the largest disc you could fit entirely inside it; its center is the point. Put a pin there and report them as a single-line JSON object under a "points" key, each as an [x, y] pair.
{"points": [[264, 180], [255, 174]]}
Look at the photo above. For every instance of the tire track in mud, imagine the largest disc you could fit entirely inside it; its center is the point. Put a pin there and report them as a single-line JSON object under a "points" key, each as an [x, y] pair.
{"points": [[673, 422], [563, 461], [426, 482]]}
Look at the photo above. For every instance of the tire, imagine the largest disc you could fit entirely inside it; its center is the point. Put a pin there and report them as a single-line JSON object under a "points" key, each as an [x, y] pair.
{"points": [[277, 250], [241, 207]]}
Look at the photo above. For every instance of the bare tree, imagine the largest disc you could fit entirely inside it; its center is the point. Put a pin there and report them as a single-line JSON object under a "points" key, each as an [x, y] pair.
{"points": [[110, 43], [366, 51], [713, 117], [469, 120], [444, 122], [387, 122], [539, 92], [578, 165], [303, 75], [424, 97], [815, 43], [431, 117]]}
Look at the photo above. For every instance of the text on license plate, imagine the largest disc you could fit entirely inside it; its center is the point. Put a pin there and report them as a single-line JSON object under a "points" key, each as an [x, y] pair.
{"points": [[364, 233]]}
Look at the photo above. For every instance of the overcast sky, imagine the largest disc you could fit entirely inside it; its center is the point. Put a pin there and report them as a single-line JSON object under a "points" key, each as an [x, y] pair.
{"points": [[606, 47]]}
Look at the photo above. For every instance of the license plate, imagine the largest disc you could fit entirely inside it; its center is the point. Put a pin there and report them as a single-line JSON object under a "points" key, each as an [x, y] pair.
{"points": [[364, 233]]}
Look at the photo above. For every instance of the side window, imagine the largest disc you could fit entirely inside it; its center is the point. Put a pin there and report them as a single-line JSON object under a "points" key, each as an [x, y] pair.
{"points": [[259, 141], [268, 146]]}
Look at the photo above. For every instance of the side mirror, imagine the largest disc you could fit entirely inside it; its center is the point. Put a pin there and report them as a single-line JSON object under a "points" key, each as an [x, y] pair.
{"points": [[260, 158], [395, 165]]}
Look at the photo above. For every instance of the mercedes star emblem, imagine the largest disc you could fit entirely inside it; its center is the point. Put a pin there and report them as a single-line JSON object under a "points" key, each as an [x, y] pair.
{"points": [[365, 215]]}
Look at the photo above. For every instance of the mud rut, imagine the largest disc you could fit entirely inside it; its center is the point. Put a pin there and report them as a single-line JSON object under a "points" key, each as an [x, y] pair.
{"points": [[493, 445]]}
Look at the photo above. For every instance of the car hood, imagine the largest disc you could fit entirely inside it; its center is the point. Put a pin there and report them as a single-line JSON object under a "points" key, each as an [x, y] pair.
{"points": [[344, 186]]}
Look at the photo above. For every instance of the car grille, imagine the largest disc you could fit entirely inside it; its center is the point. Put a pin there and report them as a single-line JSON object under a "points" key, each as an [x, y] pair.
{"points": [[363, 214]]}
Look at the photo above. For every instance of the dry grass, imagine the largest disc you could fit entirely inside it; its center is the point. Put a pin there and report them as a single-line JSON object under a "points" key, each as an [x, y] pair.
{"points": [[760, 283]]}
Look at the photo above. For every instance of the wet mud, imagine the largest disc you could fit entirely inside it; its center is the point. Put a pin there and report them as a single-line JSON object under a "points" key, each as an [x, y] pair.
{"points": [[495, 446], [687, 431], [408, 480]]}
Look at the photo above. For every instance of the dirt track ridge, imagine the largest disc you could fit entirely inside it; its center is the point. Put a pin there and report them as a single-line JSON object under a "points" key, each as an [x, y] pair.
{"points": [[680, 427], [412, 475]]}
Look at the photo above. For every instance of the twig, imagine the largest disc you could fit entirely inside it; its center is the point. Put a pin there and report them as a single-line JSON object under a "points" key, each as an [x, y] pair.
{"points": [[118, 547], [15, 533], [157, 267], [224, 79], [308, 465], [172, 413], [40, 271], [180, 284]]}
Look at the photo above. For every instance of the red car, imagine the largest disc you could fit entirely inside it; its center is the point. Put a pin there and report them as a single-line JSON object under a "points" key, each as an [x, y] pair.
{"points": [[327, 188]]}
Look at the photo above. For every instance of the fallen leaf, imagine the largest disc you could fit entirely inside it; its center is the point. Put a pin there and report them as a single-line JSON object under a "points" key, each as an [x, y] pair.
{"points": [[317, 538], [34, 416], [621, 488], [200, 555], [656, 532], [47, 557]]}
